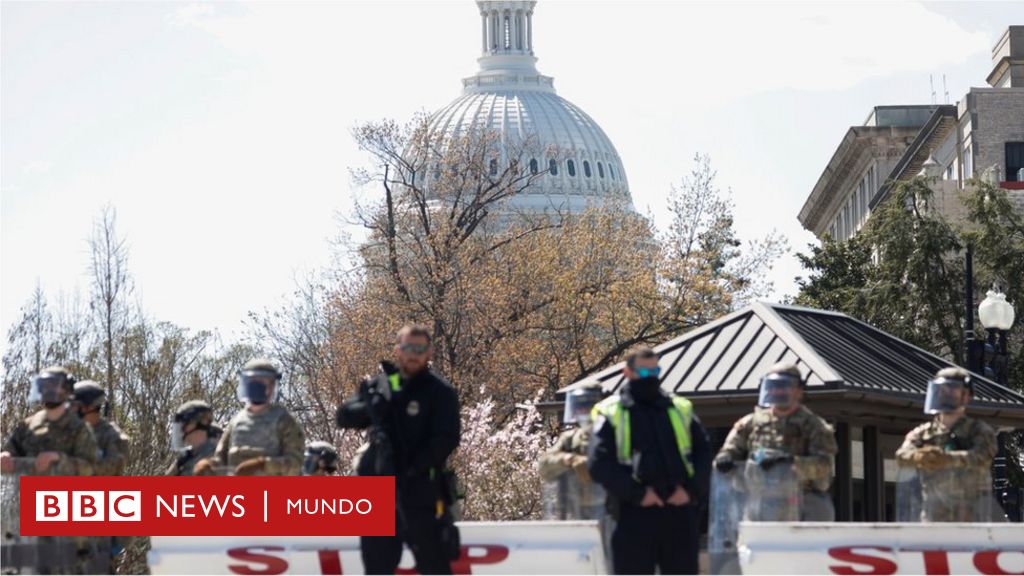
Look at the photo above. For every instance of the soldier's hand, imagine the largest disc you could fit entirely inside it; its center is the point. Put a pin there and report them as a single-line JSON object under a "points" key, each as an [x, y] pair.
{"points": [[579, 466], [251, 466], [203, 468], [680, 497], [725, 465], [651, 499], [46, 459], [6, 463]]}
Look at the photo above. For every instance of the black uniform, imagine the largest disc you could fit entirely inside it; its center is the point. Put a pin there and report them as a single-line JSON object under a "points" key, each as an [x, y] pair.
{"points": [[416, 428], [647, 538]]}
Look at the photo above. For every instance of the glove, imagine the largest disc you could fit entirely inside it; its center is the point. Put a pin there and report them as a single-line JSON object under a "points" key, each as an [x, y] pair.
{"points": [[930, 458], [251, 466], [769, 462], [725, 465], [203, 468], [579, 466]]}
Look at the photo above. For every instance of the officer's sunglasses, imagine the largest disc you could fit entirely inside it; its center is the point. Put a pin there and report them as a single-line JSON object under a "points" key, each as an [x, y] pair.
{"points": [[649, 372], [417, 349]]}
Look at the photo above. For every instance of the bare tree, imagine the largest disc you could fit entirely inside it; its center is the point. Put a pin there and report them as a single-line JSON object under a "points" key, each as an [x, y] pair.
{"points": [[111, 286]]}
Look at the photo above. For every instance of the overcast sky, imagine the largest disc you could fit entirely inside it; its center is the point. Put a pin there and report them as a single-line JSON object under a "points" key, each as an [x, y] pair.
{"points": [[221, 132]]}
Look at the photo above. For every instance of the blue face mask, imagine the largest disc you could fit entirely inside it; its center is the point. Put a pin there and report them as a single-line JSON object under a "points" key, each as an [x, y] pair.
{"points": [[642, 373]]}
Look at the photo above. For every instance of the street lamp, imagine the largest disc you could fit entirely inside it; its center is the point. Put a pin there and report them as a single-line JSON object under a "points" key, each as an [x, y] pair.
{"points": [[996, 315]]}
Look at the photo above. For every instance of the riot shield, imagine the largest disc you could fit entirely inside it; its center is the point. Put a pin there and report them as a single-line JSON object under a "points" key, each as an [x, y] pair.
{"points": [[950, 494], [30, 554], [727, 504], [569, 498], [773, 492]]}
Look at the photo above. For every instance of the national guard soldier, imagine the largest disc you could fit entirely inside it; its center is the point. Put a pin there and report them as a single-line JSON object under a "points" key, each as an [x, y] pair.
{"points": [[783, 432], [112, 443], [53, 441], [194, 437], [652, 456], [564, 465], [320, 459], [263, 439], [952, 454]]}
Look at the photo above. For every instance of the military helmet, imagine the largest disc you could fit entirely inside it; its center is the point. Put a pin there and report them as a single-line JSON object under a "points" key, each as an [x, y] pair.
{"points": [[320, 454], [88, 392], [580, 401], [779, 385], [46, 386], [257, 382], [944, 390], [196, 411]]}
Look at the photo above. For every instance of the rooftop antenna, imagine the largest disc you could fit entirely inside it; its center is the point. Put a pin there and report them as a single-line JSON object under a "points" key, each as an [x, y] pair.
{"points": [[931, 83], [945, 90]]}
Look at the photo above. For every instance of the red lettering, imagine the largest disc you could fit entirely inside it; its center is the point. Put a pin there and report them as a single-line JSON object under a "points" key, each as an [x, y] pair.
{"points": [[50, 503], [330, 561], [873, 564], [273, 564], [118, 501], [935, 562], [87, 505], [987, 562], [492, 554]]}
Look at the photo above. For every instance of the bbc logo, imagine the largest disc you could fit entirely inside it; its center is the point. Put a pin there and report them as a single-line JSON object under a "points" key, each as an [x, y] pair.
{"points": [[88, 506]]}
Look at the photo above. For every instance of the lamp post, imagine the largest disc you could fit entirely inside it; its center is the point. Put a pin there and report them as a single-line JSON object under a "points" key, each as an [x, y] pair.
{"points": [[997, 315]]}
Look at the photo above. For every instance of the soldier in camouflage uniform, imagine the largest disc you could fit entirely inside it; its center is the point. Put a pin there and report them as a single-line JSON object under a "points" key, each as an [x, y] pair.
{"points": [[320, 459], [112, 443], [953, 453], [569, 456], [263, 439], [54, 441], [194, 437], [781, 430]]}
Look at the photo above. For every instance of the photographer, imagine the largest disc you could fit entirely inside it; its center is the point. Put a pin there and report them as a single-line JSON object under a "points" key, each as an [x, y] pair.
{"points": [[413, 417]]}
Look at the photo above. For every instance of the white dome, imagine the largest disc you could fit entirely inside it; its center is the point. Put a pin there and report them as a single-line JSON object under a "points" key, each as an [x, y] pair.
{"points": [[510, 96]]}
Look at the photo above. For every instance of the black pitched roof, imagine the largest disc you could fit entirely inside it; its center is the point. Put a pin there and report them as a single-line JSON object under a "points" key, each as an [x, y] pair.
{"points": [[835, 352]]}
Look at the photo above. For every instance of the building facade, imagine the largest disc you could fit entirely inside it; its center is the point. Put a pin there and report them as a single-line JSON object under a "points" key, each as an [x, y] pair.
{"points": [[981, 137]]}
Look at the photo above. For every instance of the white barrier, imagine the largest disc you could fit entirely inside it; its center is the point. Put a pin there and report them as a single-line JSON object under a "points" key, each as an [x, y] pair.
{"points": [[862, 548], [487, 548]]}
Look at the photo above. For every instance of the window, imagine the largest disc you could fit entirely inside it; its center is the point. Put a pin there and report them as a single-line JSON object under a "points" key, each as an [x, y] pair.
{"points": [[600, 170], [533, 166], [553, 167], [968, 164], [571, 167], [586, 168], [1014, 161], [494, 167], [611, 171]]}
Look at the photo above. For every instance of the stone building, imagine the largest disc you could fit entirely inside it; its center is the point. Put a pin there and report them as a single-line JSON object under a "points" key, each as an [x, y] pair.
{"points": [[982, 136]]}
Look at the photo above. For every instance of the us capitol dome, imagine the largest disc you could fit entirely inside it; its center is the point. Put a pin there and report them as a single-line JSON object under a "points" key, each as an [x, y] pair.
{"points": [[510, 96]]}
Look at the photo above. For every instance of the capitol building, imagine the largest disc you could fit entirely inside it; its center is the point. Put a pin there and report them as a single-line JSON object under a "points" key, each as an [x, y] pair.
{"points": [[577, 164]]}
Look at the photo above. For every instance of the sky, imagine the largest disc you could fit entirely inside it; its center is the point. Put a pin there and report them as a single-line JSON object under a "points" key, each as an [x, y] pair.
{"points": [[221, 132]]}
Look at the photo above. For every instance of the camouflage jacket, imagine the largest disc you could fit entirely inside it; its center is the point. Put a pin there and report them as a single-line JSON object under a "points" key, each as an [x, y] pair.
{"points": [[802, 434], [67, 435], [112, 453], [272, 433], [187, 458], [970, 443], [575, 441]]}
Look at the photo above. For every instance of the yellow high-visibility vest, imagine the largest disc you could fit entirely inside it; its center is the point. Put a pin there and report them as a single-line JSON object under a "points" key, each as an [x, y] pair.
{"points": [[680, 413]]}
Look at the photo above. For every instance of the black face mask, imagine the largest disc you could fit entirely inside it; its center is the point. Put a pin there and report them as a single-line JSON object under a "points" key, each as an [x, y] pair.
{"points": [[645, 388]]}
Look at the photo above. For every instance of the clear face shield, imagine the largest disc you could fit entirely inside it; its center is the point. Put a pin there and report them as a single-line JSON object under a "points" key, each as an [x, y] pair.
{"points": [[578, 405], [47, 389], [257, 387], [314, 462], [178, 431], [779, 390], [944, 395]]}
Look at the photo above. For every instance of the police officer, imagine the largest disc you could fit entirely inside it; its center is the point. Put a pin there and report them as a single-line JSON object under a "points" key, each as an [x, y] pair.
{"points": [[54, 441], [569, 456], [954, 451], [781, 430], [112, 456], [263, 439], [321, 459], [194, 437], [413, 415], [652, 456]]}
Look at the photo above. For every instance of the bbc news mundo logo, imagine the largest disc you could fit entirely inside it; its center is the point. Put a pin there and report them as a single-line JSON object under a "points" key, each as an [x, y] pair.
{"points": [[88, 506]]}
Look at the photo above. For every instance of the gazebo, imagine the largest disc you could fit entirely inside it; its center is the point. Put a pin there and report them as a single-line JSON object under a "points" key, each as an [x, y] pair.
{"points": [[868, 384]]}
